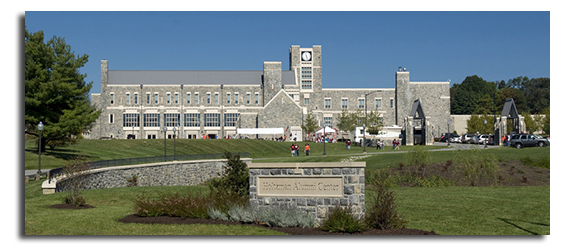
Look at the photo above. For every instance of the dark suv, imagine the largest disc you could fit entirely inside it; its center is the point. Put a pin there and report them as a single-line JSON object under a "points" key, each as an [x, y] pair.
{"points": [[522, 140]]}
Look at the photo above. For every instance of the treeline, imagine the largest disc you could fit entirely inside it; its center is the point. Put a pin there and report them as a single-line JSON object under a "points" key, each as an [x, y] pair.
{"points": [[481, 99], [477, 96]]}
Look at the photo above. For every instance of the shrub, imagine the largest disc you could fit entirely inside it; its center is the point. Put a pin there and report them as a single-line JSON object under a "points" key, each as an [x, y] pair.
{"points": [[75, 180], [285, 217], [342, 220], [417, 157], [217, 214], [477, 166], [193, 206], [234, 181], [132, 181], [384, 214]]}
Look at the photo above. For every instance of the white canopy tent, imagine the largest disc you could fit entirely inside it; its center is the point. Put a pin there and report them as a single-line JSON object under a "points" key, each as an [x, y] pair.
{"points": [[327, 130]]}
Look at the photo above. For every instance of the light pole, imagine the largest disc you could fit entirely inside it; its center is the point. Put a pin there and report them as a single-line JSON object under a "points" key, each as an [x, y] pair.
{"points": [[174, 130], [364, 138], [164, 136], [365, 119], [324, 125], [448, 133], [40, 127], [485, 132]]}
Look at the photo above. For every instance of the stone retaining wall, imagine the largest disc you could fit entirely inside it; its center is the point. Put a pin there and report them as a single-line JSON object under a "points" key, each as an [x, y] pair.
{"points": [[311, 187], [176, 173]]}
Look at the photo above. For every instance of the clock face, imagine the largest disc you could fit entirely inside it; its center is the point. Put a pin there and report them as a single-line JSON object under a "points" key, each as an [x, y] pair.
{"points": [[306, 56]]}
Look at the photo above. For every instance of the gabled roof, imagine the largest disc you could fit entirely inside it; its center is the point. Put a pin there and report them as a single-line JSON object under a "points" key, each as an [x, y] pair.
{"points": [[193, 77], [509, 109], [417, 110]]}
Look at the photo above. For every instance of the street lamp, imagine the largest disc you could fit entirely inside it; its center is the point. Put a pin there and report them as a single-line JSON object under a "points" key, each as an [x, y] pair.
{"points": [[324, 125], [485, 132], [40, 127], [364, 138], [164, 136], [365, 118], [174, 130], [448, 133]]}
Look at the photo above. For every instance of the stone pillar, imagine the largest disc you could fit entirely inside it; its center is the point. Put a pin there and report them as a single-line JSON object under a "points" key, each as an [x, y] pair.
{"points": [[409, 131]]}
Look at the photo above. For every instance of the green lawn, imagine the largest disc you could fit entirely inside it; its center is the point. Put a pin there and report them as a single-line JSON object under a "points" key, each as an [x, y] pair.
{"points": [[447, 211]]}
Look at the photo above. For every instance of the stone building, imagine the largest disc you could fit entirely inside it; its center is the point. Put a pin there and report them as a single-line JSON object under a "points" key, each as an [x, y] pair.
{"points": [[193, 104]]}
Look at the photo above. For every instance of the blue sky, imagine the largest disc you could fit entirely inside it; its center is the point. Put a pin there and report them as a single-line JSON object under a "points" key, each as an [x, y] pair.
{"points": [[360, 49]]}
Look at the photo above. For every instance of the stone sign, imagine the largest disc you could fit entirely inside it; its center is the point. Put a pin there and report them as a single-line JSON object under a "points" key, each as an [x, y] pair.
{"points": [[300, 186]]}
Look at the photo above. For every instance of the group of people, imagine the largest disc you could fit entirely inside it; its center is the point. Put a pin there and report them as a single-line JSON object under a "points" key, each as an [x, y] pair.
{"points": [[296, 150]]}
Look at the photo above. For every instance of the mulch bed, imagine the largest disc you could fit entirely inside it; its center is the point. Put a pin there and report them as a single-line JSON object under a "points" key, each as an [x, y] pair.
{"points": [[289, 230]]}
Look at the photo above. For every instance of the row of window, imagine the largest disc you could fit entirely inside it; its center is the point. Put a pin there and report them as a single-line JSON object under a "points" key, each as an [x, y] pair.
{"points": [[173, 120], [190, 99], [361, 103]]}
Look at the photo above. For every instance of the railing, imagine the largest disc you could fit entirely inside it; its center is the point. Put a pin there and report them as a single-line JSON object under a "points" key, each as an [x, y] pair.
{"points": [[145, 160]]}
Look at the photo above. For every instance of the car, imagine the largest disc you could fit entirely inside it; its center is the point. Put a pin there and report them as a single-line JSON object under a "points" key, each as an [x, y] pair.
{"points": [[455, 139], [482, 138], [467, 138], [446, 136], [523, 140]]}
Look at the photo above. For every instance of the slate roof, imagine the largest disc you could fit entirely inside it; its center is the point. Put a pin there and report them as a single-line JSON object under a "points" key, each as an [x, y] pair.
{"points": [[192, 77], [509, 109], [416, 108]]}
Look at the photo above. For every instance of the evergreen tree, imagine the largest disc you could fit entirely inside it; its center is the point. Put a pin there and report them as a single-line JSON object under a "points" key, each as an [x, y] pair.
{"points": [[310, 125], [55, 90]]}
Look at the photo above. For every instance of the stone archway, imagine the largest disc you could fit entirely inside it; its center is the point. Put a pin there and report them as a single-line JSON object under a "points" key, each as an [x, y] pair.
{"points": [[415, 127], [509, 112]]}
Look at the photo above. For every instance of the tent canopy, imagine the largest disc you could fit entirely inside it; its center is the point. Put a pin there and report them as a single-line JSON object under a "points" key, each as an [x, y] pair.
{"points": [[327, 130]]}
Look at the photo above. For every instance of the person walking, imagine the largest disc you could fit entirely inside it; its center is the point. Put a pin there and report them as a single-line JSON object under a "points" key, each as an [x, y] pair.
{"points": [[307, 149], [293, 148], [348, 144], [297, 150]]}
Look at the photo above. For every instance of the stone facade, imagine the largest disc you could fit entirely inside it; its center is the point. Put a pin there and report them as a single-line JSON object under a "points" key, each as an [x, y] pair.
{"points": [[350, 175], [215, 103], [177, 173]]}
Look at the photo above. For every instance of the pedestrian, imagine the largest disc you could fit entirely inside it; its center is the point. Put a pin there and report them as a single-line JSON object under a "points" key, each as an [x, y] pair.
{"points": [[307, 149], [394, 144], [383, 145], [297, 149], [293, 148], [348, 144], [378, 145]]}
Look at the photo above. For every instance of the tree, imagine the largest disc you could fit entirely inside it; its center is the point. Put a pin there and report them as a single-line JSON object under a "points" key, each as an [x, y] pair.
{"points": [[55, 91], [310, 125], [465, 95], [349, 121], [476, 124], [546, 121], [485, 105], [518, 99], [537, 93], [530, 123], [346, 121]]}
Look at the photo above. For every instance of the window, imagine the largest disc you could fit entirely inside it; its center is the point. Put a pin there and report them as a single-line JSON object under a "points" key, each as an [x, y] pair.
{"points": [[151, 120], [211, 120], [111, 118], [111, 98], [327, 103], [156, 96], [192, 120], [130, 120], [391, 103], [361, 103], [306, 101], [175, 98], [187, 98], [306, 72], [248, 98], [344, 103], [208, 96], [148, 98], [228, 98], [306, 85], [196, 98], [230, 119], [172, 120], [327, 121], [256, 98], [378, 103], [135, 96], [216, 98], [236, 98], [167, 98], [127, 98]]}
